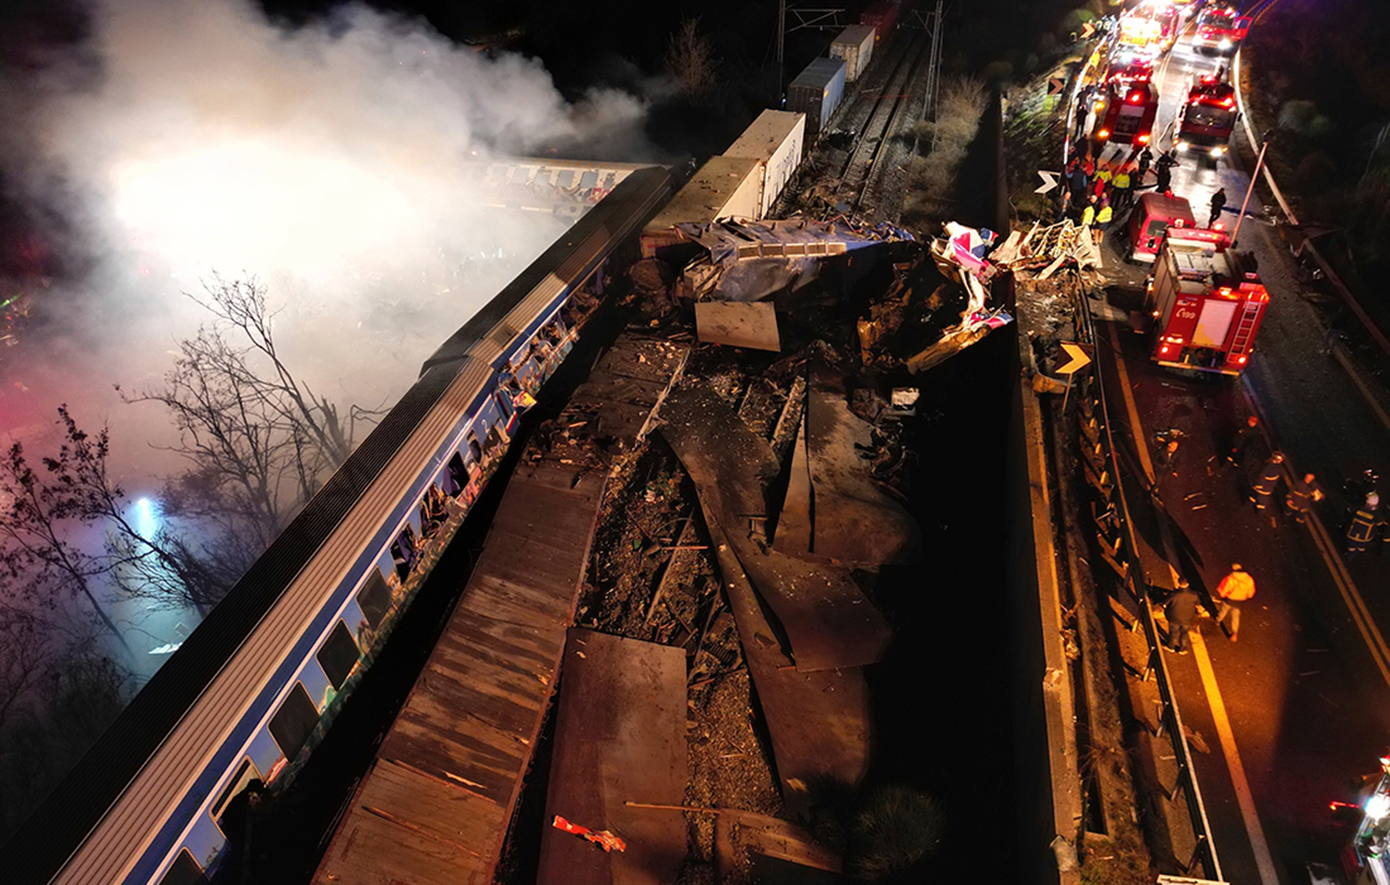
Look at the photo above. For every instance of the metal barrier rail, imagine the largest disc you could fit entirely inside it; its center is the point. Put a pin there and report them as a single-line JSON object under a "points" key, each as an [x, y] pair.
{"points": [[1117, 534]]}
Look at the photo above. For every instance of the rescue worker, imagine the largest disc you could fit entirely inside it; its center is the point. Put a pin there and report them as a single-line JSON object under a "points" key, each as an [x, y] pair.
{"points": [[1262, 489], [1088, 215], [1235, 588], [1181, 612], [1356, 491], [1218, 202], [1104, 216], [1163, 170], [1123, 184], [1103, 176], [1241, 441], [1365, 525], [1145, 158], [1302, 495]]}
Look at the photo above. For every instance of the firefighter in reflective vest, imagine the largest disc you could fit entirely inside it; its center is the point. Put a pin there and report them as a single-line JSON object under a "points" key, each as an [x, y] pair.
{"points": [[1235, 588], [1262, 489], [1301, 496], [1364, 524]]}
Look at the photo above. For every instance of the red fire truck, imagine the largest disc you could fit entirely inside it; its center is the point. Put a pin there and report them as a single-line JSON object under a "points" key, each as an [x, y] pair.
{"points": [[1125, 66], [1220, 29], [1125, 115], [1206, 302], [1150, 27], [1205, 121]]}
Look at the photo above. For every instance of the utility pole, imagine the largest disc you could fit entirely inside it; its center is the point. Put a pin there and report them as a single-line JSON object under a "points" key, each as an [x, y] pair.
{"points": [[781, 45], [1259, 164]]}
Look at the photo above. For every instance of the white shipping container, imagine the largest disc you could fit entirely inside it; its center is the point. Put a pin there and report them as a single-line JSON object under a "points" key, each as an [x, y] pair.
{"points": [[856, 46], [725, 187], [776, 140]]}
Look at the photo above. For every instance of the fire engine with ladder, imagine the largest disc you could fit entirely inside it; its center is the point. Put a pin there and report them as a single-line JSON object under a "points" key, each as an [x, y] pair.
{"points": [[1205, 301]]}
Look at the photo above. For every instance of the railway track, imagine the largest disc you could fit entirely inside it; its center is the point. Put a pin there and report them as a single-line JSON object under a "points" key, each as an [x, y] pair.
{"points": [[862, 168]]}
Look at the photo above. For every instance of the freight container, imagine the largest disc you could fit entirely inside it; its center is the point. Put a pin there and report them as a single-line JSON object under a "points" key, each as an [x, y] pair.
{"points": [[882, 15], [816, 92], [775, 140], [856, 46], [725, 187]]}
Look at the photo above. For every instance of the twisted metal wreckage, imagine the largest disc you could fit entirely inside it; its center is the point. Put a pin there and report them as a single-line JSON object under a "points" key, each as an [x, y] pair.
{"points": [[743, 263]]}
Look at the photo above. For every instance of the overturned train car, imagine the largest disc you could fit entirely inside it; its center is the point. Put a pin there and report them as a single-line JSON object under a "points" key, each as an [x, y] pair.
{"points": [[253, 690]]}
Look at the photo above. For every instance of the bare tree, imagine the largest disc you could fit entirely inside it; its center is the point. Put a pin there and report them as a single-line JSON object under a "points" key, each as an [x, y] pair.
{"points": [[690, 58], [259, 440], [38, 558]]}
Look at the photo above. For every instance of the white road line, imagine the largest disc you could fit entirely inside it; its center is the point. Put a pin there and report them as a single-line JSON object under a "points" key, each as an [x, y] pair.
{"points": [[1264, 861]]}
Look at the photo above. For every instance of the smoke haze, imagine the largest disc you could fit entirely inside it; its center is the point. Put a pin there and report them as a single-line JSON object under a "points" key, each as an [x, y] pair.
{"points": [[193, 136]]}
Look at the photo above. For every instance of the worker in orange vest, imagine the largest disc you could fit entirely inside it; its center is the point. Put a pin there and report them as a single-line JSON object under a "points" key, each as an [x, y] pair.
{"points": [[1235, 588]]}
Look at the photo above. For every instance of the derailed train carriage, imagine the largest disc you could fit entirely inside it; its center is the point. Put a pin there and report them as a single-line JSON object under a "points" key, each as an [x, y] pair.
{"points": [[252, 691]]}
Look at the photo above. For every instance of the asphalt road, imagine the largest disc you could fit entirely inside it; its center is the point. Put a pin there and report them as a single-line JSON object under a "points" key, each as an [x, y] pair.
{"points": [[1300, 706]]}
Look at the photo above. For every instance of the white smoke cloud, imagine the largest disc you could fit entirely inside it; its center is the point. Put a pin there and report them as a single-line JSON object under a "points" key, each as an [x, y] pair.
{"points": [[329, 161]]}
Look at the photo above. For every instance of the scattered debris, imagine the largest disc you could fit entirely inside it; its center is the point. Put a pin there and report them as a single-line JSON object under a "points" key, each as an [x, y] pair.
{"points": [[603, 838]]}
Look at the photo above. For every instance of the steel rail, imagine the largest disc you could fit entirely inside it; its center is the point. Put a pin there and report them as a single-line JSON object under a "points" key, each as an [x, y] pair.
{"points": [[1137, 584]]}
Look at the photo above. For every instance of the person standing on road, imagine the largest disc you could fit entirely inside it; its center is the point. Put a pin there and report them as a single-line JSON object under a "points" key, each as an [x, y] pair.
{"points": [[1356, 491], [1267, 481], [1218, 202], [1241, 441], [1365, 525], [1088, 215], [1234, 589], [1104, 215], [1145, 158], [1302, 494], [1181, 612], [1163, 169], [1124, 187]]}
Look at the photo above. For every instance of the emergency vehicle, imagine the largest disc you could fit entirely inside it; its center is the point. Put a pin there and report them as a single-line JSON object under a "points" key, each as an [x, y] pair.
{"points": [[1206, 119], [1126, 66], [1149, 28], [1221, 29], [1125, 115], [1366, 857], [1150, 219], [1205, 301]]}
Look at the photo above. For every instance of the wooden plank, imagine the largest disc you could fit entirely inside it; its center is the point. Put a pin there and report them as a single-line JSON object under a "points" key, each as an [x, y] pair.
{"points": [[619, 736], [407, 827], [855, 521], [826, 618], [738, 324]]}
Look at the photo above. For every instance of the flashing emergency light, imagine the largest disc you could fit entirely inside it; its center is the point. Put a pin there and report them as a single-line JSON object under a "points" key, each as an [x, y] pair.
{"points": [[1136, 96], [1103, 133], [1241, 359], [1224, 292], [1164, 349], [1378, 806], [1143, 138]]}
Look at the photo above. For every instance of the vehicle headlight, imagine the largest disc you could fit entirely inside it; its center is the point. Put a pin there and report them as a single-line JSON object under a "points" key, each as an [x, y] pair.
{"points": [[1225, 43], [1218, 150], [1181, 145]]}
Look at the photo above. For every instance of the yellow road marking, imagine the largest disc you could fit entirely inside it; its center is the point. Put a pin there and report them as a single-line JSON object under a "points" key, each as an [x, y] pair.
{"points": [[1264, 861]]}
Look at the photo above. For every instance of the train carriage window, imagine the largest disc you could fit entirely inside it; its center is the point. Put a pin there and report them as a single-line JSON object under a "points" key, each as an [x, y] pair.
{"points": [[588, 179], [184, 871], [294, 722], [338, 655], [474, 448], [374, 598], [455, 477], [245, 774]]}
